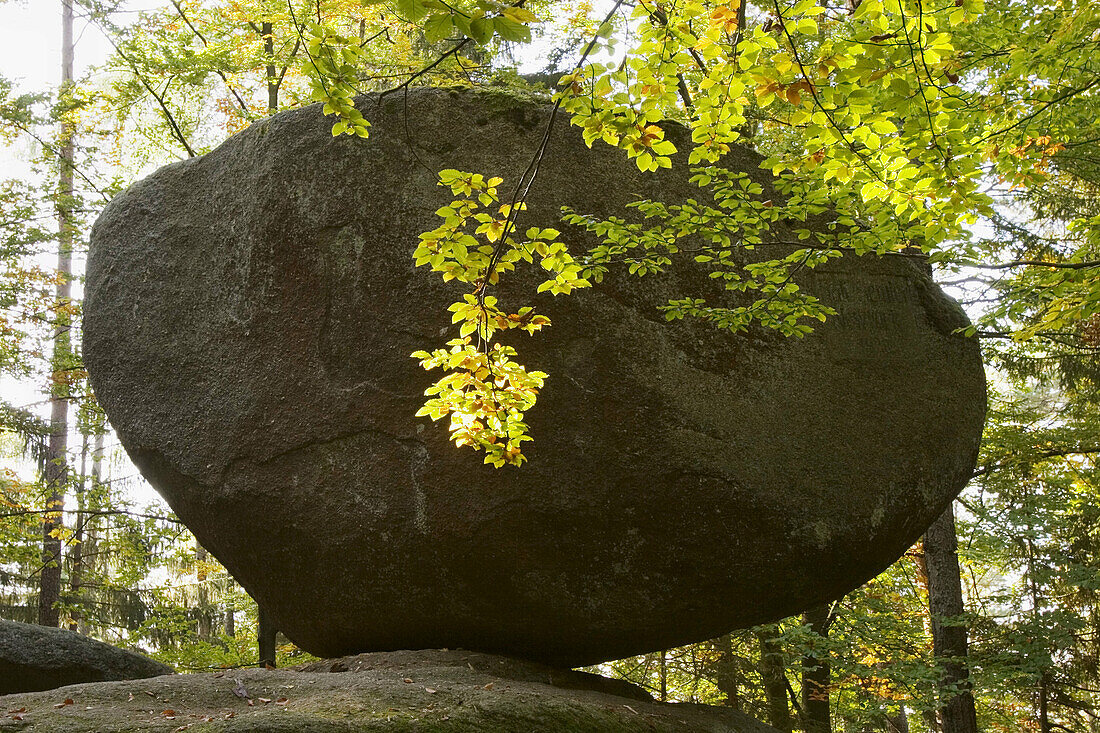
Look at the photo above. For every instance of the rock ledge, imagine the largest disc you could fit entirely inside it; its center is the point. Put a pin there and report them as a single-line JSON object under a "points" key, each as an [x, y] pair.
{"points": [[42, 658], [431, 690]]}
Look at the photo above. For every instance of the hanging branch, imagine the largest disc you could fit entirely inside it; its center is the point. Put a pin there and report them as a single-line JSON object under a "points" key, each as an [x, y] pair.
{"points": [[177, 132], [219, 72]]}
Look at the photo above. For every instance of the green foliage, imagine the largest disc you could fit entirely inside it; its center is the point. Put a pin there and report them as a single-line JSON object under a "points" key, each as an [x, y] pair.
{"points": [[892, 127], [877, 158], [727, 236], [485, 391]]}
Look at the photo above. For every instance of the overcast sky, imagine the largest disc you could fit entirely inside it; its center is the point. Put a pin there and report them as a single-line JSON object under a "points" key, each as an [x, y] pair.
{"points": [[30, 56], [30, 40]]}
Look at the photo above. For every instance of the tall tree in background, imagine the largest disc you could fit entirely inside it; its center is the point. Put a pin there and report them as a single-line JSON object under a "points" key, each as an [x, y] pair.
{"points": [[773, 677], [817, 671], [949, 643], [1028, 538], [61, 362]]}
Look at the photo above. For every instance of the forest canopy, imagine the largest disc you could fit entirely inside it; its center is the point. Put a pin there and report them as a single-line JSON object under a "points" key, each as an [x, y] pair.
{"points": [[961, 130]]}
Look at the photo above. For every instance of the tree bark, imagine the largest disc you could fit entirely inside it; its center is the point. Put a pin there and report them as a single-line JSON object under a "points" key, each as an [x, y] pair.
{"points": [[662, 672], [230, 621], [203, 620], [931, 719], [725, 672], [89, 545], [1044, 705], [267, 32], [76, 554], [775, 685], [949, 642], [49, 590], [898, 722], [815, 675], [265, 637]]}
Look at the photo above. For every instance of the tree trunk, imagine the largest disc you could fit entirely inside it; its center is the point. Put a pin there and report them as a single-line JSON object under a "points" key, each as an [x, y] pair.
{"points": [[89, 546], [265, 637], [931, 719], [815, 675], [725, 672], [772, 673], [662, 671], [230, 621], [272, 80], [76, 554], [49, 591], [1044, 705], [949, 643], [898, 722], [203, 621]]}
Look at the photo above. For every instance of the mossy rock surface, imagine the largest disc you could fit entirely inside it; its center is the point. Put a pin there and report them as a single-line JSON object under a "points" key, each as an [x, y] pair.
{"points": [[36, 657], [430, 690]]}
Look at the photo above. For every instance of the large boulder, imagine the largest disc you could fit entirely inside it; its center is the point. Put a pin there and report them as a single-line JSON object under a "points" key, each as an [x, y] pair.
{"points": [[423, 691], [249, 321], [42, 658]]}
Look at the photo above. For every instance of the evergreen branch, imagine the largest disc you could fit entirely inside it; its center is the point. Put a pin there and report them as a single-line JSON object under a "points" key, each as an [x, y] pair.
{"points": [[1040, 456], [1035, 263], [92, 513]]}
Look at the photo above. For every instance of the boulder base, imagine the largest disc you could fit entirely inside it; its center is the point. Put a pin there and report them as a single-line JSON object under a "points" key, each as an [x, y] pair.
{"points": [[41, 658], [424, 691], [249, 321]]}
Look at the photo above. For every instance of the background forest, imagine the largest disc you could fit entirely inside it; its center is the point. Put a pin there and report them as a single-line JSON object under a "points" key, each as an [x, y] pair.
{"points": [[1001, 635]]}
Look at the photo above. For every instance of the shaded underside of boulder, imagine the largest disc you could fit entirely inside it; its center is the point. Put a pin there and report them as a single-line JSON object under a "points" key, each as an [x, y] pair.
{"points": [[431, 690], [42, 657], [249, 321]]}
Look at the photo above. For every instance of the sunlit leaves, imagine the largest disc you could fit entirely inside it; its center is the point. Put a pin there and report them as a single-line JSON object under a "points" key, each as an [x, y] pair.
{"points": [[485, 391], [334, 60], [871, 98]]}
